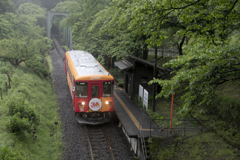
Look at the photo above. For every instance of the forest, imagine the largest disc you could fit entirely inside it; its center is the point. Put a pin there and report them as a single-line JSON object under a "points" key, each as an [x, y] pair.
{"points": [[206, 72], [204, 32]]}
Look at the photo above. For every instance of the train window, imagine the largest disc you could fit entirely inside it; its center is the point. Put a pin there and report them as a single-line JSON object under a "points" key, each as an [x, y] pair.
{"points": [[81, 89], [95, 91], [108, 89]]}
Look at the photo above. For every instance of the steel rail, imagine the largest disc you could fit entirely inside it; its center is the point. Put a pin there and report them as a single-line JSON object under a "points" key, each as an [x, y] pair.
{"points": [[104, 136], [110, 148], [89, 142]]}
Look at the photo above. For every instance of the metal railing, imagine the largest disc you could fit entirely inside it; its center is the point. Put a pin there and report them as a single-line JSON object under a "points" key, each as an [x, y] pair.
{"points": [[179, 127], [143, 144]]}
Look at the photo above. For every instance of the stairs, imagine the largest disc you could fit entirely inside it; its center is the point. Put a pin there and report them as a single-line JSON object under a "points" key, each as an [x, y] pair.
{"points": [[145, 148]]}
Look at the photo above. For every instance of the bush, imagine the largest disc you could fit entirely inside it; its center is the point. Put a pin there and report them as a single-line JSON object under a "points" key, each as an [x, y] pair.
{"points": [[24, 117], [37, 65], [8, 154], [121, 84], [18, 125]]}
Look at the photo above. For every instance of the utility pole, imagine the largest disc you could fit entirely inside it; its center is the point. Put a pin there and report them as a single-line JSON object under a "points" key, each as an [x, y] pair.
{"points": [[162, 49], [154, 76]]}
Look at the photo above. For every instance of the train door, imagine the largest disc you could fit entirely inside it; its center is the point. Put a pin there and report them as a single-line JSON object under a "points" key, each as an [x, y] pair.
{"points": [[95, 88], [95, 91]]}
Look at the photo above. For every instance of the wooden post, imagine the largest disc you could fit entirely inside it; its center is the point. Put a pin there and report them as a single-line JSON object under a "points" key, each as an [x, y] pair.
{"points": [[171, 114], [111, 62], [1, 93], [6, 87], [117, 72], [154, 76]]}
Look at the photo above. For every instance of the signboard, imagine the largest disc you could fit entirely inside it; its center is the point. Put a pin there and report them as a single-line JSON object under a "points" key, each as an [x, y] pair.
{"points": [[145, 99], [140, 92], [95, 104]]}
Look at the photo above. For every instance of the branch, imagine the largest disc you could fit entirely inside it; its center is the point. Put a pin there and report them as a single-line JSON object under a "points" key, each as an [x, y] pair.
{"points": [[187, 5], [231, 8]]}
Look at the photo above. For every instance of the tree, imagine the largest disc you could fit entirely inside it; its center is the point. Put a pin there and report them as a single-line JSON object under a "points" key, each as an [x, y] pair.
{"points": [[18, 50], [6, 6], [27, 21], [19, 2], [113, 22], [212, 58], [8, 25], [5, 70], [34, 11]]}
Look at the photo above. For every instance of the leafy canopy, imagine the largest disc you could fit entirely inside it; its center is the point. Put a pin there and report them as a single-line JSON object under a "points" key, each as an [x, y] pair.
{"points": [[213, 56]]}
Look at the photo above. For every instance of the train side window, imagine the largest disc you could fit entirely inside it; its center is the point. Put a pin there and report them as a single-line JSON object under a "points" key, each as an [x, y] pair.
{"points": [[95, 91], [108, 89], [81, 89]]}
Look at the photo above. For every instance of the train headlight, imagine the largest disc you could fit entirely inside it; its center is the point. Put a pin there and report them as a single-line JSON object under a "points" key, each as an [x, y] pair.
{"points": [[106, 102], [83, 103]]}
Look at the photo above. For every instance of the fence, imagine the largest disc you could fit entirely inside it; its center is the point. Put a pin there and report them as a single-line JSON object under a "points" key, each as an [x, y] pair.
{"points": [[179, 127], [165, 52]]}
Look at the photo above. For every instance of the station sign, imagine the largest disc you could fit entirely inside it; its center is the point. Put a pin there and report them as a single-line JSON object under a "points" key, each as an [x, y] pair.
{"points": [[145, 99], [140, 93]]}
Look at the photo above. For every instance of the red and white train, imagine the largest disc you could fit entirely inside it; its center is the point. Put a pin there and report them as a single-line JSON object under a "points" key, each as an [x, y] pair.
{"points": [[91, 87]]}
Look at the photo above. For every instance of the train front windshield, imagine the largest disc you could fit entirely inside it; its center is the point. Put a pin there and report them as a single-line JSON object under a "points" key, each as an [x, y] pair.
{"points": [[81, 89], [108, 88]]}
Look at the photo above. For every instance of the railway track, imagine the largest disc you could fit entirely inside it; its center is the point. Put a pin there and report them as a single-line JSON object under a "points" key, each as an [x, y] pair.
{"points": [[99, 145]]}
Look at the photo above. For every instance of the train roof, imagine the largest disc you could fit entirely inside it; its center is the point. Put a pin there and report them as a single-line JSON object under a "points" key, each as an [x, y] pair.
{"points": [[86, 66]]}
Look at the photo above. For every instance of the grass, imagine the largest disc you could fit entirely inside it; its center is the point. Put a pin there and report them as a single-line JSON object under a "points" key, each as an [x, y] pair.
{"points": [[198, 147], [37, 92], [48, 58]]}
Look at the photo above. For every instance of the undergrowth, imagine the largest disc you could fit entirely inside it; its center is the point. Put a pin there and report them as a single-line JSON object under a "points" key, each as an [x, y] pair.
{"points": [[220, 139], [27, 115]]}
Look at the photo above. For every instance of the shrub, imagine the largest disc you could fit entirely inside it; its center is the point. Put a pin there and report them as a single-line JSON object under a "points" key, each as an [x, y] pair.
{"points": [[8, 154], [37, 65], [121, 84], [24, 117], [18, 125]]}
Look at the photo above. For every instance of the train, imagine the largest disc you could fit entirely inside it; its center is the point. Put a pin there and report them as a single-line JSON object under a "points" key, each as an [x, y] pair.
{"points": [[91, 87]]}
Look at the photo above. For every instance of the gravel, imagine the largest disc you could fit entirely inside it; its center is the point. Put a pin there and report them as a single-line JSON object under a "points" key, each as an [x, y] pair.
{"points": [[74, 138]]}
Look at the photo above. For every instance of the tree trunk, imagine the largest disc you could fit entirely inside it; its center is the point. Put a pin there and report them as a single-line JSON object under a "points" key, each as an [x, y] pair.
{"points": [[9, 80], [6, 88], [1, 93], [145, 48], [154, 77], [145, 52], [180, 46]]}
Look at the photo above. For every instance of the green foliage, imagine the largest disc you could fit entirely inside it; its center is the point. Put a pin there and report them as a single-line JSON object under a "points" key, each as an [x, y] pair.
{"points": [[6, 6], [6, 153], [24, 117], [18, 50], [202, 146], [3, 79], [37, 65], [8, 25], [19, 125], [121, 84], [19, 2], [204, 67], [30, 106], [35, 11]]}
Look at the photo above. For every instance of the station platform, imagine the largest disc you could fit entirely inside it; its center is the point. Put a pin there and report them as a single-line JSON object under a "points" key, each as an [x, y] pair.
{"points": [[132, 118]]}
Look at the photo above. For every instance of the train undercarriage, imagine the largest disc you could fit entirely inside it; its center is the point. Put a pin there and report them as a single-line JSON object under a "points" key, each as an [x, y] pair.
{"points": [[93, 118]]}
